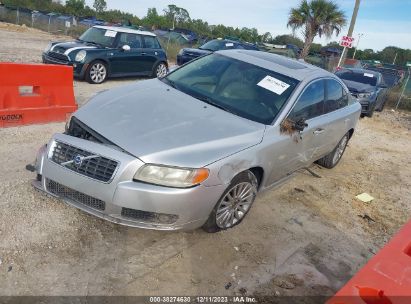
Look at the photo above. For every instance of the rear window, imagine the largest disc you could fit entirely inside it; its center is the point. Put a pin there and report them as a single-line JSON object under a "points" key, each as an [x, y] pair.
{"points": [[151, 42], [363, 77]]}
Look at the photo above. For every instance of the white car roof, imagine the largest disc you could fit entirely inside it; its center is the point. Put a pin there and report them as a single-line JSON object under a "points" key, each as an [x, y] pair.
{"points": [[125, 30]]}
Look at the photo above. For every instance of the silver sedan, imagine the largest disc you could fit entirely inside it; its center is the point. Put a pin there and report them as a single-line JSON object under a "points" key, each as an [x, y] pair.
{"points": [[194, 148]]}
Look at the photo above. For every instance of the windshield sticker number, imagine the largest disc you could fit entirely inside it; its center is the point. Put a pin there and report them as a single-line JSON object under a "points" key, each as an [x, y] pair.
{"points": [[110, 33], [229, 44], [273, 84], [368, 75]]}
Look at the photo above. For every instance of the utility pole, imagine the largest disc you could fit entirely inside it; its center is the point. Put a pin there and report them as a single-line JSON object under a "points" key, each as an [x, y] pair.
{"points": [[358, 42], [395, 58], [351, 28]]}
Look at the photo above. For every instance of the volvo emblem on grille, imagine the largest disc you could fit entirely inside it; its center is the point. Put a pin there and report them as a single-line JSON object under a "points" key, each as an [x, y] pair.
{"points": [[78, 160]]}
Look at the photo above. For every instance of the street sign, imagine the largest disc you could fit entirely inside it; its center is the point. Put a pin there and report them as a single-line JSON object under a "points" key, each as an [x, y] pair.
{"points": [[346, 41]]}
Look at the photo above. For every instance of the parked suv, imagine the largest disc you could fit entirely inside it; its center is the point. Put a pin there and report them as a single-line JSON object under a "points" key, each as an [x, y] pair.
{"points": [[188, 54], [193, 149], [367, 86], [106, 51]]}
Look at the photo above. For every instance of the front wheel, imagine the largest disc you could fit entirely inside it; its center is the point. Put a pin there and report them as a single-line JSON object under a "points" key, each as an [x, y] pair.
{"points": [[96, 72], [160, 70], [331, 160], [234, 204]]}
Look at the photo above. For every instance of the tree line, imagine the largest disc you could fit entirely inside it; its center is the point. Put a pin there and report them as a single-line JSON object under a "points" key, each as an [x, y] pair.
{"points": [[177, 17]]}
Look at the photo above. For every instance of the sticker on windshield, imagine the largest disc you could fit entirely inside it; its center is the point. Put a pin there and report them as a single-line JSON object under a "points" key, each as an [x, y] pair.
{"points": [[273, 84], [368, 75], [229, 44], [110, 33]]}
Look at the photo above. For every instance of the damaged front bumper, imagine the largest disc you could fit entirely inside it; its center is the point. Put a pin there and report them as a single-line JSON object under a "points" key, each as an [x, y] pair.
{"points": [[120, 199]]}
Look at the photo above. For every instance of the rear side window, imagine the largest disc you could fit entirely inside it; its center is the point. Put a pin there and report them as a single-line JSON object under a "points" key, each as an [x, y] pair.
{"points": [[311, 103], [132, 40], [336, 96], [151, 42]]}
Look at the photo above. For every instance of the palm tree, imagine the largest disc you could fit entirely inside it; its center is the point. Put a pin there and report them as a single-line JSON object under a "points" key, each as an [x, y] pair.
{"points": [[316, 17]]}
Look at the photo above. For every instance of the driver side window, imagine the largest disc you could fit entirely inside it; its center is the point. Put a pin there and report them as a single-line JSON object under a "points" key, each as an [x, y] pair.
{"points": [[310, 104], [132, 40]]}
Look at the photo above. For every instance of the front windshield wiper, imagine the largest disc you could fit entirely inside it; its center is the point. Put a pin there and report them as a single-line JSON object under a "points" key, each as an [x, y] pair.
{"points": [[95, 43], [210, 101], [170, 83]]}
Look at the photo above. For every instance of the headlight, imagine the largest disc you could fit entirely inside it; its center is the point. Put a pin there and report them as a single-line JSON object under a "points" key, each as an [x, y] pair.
{"points": [[364, 95], [181, 52], [48, 47], [80, 56], [171, 176]]}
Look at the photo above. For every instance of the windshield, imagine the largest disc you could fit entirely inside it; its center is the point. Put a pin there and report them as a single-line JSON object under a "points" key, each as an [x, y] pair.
{"points": [[365, 78], [99, 36], [216, 45], [235, 86]]}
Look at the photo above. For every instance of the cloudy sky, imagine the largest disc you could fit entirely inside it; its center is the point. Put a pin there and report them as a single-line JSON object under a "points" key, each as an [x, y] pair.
{"points": [[383, 22]]}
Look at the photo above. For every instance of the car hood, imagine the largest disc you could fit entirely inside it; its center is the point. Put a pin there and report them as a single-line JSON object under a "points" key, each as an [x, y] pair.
{"points": [[358, 87], [162, 125], [196, 52], [69, 46]]}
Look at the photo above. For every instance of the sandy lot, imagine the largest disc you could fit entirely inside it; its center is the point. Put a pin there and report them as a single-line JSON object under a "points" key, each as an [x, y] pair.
{"points": [[307, 237]]}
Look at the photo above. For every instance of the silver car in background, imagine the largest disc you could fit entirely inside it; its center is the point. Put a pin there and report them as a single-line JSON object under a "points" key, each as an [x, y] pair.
{"points": [[193, 149]]}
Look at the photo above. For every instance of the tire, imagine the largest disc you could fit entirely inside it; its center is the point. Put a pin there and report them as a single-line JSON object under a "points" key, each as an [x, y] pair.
{"points": [[381, 107], [97, 72], [333, 158], [160, 70], [225, 215]]}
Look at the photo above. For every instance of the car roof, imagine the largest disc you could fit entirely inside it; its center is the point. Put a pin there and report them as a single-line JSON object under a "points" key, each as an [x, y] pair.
{"points": [[360, 71], [290, 67], [125, 30], [234, 41]]}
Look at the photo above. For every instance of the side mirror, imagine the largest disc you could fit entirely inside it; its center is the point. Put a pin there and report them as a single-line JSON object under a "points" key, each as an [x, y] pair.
{"points": [[290, 127], [300, 124], [126, 48]]}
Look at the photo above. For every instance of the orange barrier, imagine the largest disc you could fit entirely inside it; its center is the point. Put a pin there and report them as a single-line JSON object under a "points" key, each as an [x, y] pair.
{"points": [[385, 279], [35, 93]]}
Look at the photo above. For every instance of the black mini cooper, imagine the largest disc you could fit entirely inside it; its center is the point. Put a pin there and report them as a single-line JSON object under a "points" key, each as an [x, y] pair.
{"points": [[106, 51]]}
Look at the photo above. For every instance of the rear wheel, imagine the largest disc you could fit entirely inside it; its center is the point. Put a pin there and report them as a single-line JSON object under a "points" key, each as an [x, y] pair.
{"points": [[96, 72], [331, 160], [160, 70], [234, 204]]}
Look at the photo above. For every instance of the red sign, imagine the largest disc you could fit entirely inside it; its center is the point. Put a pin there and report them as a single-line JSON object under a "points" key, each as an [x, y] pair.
{"points": [[346, 41]]}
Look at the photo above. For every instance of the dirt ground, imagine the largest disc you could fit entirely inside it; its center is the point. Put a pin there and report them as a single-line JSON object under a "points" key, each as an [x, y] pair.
{"points": [[307, 237]]}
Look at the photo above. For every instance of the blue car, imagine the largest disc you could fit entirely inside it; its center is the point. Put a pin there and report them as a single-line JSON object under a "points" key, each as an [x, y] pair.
{"points": [[188, 54], [367, 86]]}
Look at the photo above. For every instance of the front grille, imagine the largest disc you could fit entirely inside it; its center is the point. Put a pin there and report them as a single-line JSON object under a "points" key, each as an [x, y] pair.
{"points": [[73, 195], [58, 56], [150, 217], [96, 167]]}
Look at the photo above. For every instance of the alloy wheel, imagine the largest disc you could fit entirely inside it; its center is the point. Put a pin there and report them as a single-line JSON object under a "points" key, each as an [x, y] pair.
{"points": [[340, 149], [161, 70], [235, 204], [98, 73]]}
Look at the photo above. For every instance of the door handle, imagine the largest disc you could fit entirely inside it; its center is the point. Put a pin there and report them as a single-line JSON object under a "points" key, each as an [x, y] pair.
{"points": [[143, 54], [318, 131]]}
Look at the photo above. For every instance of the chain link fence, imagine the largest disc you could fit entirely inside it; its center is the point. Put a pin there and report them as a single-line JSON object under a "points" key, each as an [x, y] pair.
{"points": [[51, 22]]}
